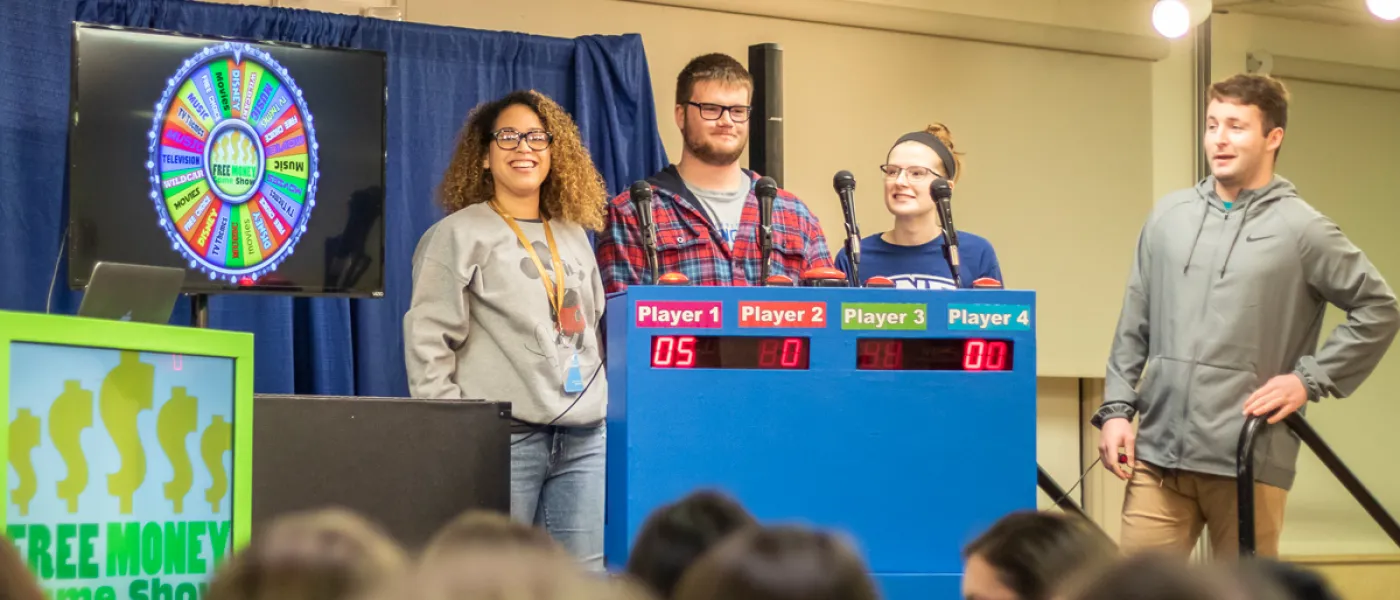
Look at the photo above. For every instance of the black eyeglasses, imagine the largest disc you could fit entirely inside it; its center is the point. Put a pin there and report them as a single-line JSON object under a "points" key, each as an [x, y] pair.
{"points": [[509, 139], [712, 112]]}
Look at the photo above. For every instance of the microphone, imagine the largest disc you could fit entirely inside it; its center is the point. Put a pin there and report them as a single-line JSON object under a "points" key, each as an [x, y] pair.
{"points": [[845, 184], [767, 189], [942, 194], [641, 204]]}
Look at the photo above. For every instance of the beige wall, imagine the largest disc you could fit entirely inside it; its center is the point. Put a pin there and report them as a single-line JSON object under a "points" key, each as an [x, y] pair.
{"points": [[1341, 149], [1354, 184], [1058, 429]]}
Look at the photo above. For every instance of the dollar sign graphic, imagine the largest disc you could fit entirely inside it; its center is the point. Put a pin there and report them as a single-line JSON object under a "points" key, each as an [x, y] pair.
{"points": [[128, 389], [216, 441], [24, 437], [70, 415], [176, 421]]}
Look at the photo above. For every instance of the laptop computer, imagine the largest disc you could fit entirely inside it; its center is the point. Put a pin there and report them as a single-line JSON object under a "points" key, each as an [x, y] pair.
{"points": [[126, 292]]}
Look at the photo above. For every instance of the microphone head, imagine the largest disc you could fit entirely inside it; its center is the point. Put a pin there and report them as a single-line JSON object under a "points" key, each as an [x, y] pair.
{"points": [[641, 192], [844, 181], [766, 187], [940, 189]]}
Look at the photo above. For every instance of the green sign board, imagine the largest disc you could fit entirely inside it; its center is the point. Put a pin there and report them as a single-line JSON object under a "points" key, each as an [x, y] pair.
{"points": [[123, 482]]}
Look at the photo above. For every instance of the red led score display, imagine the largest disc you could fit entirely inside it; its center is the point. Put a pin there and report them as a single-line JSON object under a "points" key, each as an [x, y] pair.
{"points": [[729, 352], [898, 354]]}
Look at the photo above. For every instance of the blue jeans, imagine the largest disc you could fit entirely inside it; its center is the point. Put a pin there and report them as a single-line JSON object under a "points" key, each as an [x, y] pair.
{"points": [[558, 481]]}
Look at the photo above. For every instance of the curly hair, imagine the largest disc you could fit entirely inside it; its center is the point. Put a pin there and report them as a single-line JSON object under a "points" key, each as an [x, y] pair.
{"points": [[573, 190]]}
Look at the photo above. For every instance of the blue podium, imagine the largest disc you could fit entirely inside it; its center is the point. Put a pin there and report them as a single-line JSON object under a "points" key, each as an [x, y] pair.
{"points": [[904, 418]]}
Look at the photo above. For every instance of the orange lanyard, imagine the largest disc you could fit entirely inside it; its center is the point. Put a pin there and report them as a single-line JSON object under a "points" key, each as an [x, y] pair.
{"points": [[553, 291]]}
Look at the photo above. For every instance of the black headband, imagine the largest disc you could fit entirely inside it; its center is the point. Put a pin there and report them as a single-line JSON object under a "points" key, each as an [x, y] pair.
{"points": [[932, 141]]}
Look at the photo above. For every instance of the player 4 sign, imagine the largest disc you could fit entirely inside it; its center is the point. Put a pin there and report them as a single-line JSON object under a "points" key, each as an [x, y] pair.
{"points": [[989, 317]]}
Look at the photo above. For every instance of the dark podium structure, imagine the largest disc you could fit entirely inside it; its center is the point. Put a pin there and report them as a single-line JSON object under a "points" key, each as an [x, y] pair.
{"points": [[408, 465]]}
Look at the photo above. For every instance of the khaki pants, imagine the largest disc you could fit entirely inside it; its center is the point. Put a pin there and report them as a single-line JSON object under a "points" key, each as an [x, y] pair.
{"points": [[1165, 510]]}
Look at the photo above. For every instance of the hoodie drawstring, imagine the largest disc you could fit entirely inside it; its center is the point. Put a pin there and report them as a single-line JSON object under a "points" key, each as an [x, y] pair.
{"points": [[1231, 251], [1205, 212]]}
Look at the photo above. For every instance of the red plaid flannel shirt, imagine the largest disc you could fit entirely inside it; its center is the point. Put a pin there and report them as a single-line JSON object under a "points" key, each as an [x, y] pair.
{"points": [[687, 243]]}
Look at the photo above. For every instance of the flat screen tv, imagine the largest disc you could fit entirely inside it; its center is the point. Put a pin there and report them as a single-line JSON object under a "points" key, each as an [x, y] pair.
{"points": [[255, 166], [128, 449]]}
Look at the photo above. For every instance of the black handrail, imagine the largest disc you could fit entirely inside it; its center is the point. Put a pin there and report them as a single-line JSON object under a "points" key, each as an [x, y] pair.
{"points": [[1244, 484], [1245, 479], [1058, 494]]}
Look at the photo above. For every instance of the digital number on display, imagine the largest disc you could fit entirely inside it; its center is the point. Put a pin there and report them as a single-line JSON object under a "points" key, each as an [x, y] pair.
{"points": [[729, 352], [894, 354]]}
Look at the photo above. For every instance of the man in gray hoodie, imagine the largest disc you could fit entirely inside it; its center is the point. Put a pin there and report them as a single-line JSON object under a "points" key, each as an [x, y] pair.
{"points": [[1220, 322]]}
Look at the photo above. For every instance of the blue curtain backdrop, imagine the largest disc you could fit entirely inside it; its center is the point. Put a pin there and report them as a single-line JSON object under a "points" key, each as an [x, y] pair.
{"points": [[436, 74]]}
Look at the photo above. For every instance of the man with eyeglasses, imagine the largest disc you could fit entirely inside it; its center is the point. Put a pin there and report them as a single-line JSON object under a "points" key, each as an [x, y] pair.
{"points": [[911, 253], [705, 208]]}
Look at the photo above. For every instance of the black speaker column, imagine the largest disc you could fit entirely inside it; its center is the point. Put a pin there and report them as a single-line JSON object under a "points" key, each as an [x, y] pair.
{"points": [[766, 124]]}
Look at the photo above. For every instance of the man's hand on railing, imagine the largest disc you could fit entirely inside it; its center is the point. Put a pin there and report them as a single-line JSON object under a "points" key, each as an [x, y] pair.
{"points": [[1278, 397], [1115, 434]]}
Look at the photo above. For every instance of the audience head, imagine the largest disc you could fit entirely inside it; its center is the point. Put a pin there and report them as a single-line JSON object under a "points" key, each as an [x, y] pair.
{"points": [[1029, 556], [520, 145], [512, 572], [778, 563], [1152, 576], [16, 581], [1291, 581], [321, 555], [677, 534], [486, 530]]}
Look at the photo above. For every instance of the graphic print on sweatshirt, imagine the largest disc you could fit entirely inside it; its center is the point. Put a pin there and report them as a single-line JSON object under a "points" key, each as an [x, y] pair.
{"points": [[573, 324], [919, 281]]}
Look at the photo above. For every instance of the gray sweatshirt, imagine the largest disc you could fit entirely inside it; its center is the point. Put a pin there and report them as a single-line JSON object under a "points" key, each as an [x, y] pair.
{"points": [[1219, 302], [479, 327]]}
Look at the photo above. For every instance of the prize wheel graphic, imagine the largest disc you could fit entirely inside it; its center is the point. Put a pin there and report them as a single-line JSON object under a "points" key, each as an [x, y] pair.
{"points": [[233, 162]]}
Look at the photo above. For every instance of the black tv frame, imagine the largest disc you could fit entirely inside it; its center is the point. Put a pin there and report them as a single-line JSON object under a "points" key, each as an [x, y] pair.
{"points": [[78, 280]]}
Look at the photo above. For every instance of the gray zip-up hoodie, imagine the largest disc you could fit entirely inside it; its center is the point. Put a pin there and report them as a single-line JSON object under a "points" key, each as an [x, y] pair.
{"points": [[1220, 301]]}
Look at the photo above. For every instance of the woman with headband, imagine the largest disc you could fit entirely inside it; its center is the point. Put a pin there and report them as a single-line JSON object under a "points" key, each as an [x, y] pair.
{"points": [[911, 253]]}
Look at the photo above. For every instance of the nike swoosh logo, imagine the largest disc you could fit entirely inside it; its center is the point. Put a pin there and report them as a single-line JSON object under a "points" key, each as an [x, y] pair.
{"points": [[1251, 238]]}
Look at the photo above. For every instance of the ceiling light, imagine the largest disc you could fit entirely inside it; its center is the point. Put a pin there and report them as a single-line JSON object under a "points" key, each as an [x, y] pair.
{"points": [[1174, 18], [1385, 9], [1171, 18]]}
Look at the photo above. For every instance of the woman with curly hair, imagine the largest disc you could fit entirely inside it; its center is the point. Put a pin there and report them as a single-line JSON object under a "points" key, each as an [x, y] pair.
{"points": [[506, 306]]}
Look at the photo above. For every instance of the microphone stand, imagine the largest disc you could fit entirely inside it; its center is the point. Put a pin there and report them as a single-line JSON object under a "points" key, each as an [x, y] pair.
{"points": [[767, 190], [853, 253], [765, 245], [949, 251], [650, 244], [845, 185], [641, 204], [942, 194]]}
